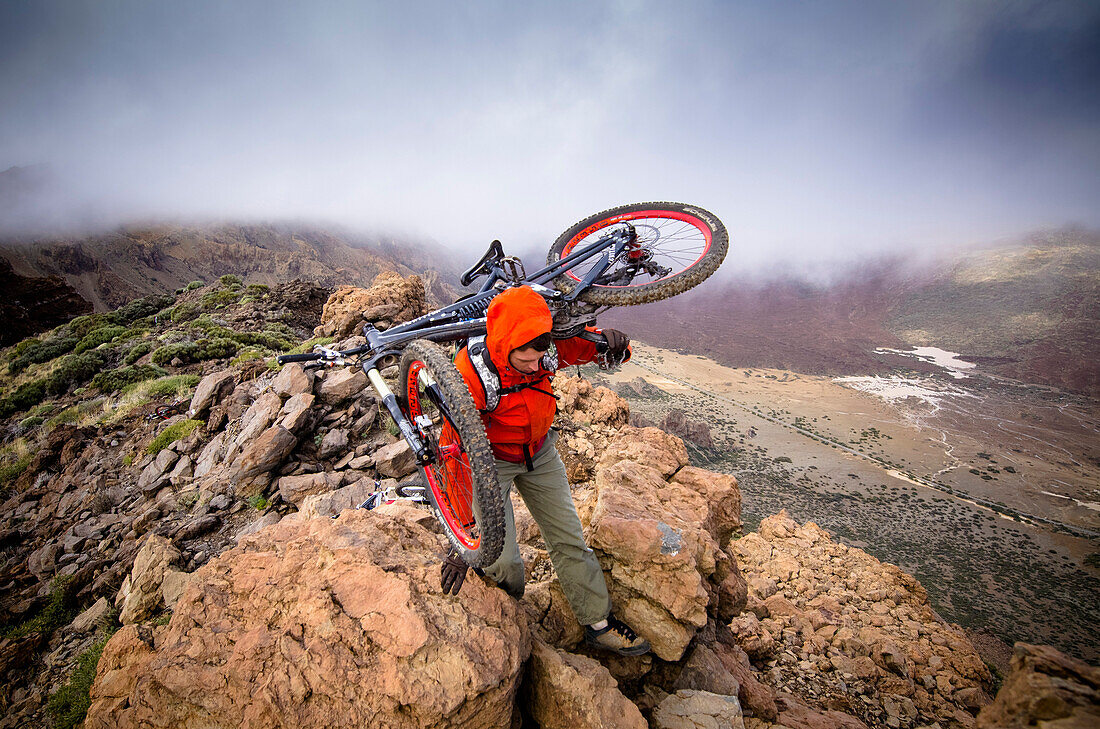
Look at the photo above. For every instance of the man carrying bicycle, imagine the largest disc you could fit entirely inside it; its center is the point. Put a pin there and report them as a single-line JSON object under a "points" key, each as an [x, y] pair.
{"points": [[509, 375]]}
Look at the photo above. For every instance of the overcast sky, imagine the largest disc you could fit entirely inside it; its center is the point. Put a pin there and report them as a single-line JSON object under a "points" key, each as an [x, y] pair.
{"points": [[813, 129]]}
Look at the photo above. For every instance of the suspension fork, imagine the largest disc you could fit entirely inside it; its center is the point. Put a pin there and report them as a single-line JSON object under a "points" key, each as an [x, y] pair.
{"points": [[408, 431]]}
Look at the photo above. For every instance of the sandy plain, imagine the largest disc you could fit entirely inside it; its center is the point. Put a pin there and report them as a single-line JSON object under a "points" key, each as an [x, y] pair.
{"points": [[985, 489]]}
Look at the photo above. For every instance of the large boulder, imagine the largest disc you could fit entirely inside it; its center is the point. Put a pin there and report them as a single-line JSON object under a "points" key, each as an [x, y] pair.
{"points": [[1045, 688], [659, 539], [395, 460], [341, 384], [295, 489], [140, 595], [310, 622], [210, 390], [584, 402], [263, 454], [391, 298], [568, 691], [687, 709], [293, 379]]}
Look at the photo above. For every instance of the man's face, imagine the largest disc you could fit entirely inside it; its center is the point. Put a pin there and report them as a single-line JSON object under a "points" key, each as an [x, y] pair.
{"points": [[525, 360]]}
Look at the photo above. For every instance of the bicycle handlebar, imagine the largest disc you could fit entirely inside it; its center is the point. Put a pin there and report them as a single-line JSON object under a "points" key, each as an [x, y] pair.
{"points": [[597, 337], [308, 357]]}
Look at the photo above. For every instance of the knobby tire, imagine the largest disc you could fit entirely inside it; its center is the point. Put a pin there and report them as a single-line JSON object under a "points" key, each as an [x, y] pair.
{"points": [[709, 227], [475, 452]]}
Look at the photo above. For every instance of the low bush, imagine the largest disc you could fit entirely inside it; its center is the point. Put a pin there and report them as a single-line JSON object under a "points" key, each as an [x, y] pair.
{"points": [[57, 612], [268, 340], [257, 289], [97, 337], [309, 344], [140, 308], [81, 325], [196, 284], [200, 351], [171, 386], [138, 351], [114, 380], [184, 311], [75, 369], [246, 355], [41, 351], [230, 280], [31, 422], [26, 396], [223, 297], [13, 469], [69, 705], [171, 434]]}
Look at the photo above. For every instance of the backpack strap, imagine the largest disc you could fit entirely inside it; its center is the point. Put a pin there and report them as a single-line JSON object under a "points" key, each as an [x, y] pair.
{"points": [[486, 371], [489, 376]]}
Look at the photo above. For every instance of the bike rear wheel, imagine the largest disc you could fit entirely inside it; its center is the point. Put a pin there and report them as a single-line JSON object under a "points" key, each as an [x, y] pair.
{"points": [[461, 482], [677, 247]]}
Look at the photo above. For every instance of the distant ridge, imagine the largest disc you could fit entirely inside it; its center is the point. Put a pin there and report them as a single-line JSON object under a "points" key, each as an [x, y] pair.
{"points": [[1028, 310]]}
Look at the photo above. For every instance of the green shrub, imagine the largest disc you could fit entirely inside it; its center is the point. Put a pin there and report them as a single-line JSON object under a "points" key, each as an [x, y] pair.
{"points": [[308, 345], [115, 380], [69, 705], [30, 423], [41, 351], [196, 284], [184, 311], [229, 280], [97, 337], [171, 434], [19, 349], [25, 396], [246, 355], [258, 502], [200, 351], [268, 340], [137, 352], [172, 386], [214, 299], [44, 409], [140, 308], [14, 469], [75, 369], [57, 612], [81, 325], [257, 289]]}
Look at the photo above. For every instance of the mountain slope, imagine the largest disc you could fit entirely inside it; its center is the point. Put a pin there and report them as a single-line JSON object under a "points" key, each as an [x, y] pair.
{"points": [[1028, 311], [110, 269]]}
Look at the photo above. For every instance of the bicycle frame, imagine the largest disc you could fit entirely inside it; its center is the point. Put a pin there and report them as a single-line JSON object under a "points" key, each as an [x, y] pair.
{"points": [[466, 318]]}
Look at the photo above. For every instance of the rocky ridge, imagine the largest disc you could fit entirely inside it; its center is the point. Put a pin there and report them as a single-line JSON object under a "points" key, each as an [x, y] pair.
{"points": [[227, 571]]}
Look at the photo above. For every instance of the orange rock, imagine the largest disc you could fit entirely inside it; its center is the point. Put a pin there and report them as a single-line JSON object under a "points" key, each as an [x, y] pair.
{"points": [[308, 620]]}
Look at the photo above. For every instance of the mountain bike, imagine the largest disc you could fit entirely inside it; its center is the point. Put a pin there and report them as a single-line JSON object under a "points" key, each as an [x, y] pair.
{"points": [[628, 255]]}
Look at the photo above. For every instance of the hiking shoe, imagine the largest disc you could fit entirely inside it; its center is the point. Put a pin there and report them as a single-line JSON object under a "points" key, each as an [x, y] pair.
{"points": [[617, 637]]}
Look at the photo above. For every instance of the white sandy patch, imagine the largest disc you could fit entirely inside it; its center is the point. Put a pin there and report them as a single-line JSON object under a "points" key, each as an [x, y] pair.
{"points": [[1090, 505], [940, 357], [897, 390]]}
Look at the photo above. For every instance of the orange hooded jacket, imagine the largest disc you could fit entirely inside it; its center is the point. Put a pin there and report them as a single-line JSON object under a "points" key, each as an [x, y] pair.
{"points": [[515, 317]]}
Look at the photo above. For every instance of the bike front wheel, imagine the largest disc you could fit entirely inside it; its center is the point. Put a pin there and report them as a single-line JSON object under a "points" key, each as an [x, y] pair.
{"points": [[462, 482], [675, 247]]}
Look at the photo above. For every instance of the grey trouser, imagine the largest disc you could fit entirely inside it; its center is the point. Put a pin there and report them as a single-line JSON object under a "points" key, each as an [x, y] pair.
{"points": [[545, 491]]}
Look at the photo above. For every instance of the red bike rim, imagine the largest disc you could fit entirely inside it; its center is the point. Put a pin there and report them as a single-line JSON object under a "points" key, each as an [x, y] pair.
{"points": [[450, 477], [638, 215]]}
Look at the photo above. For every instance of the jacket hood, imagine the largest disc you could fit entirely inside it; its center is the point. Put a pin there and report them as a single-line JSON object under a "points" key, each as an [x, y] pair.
{"points": [[515, 317]]}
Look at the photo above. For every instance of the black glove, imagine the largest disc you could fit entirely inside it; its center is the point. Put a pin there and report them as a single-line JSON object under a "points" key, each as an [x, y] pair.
{"points": [[452, 573], [617, 342]]}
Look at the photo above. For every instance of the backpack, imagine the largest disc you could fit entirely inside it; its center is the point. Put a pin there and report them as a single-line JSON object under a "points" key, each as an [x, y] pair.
{"points": [[490, 378]]}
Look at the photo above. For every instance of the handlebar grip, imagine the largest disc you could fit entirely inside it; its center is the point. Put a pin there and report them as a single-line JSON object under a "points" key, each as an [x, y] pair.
{"points": [[308, 357], [597, 337]]}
